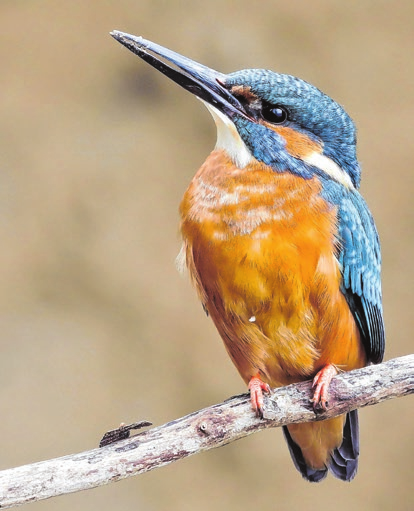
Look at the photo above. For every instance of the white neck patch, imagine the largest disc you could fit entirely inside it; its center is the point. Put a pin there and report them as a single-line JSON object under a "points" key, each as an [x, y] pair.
{"points": [[329, 167], [229, 139]]}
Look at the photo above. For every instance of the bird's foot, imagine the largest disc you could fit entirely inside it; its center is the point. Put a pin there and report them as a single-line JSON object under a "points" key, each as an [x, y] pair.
{"points": [[321, 384], [257, 387]]}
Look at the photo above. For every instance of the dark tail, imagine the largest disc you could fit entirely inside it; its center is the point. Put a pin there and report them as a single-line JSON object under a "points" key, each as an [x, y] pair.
{"points": [[343, 462]]}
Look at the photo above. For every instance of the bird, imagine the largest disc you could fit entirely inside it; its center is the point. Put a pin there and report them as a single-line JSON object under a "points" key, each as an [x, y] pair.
{"points": [[280, 245]]}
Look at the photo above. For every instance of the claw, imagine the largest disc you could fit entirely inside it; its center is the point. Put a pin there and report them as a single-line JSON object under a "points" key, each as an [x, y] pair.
{"points": [[321, 384], [257, 387]]}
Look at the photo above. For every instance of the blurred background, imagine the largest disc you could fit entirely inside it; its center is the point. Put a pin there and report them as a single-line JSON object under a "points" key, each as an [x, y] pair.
{"points": [[96, 150]]}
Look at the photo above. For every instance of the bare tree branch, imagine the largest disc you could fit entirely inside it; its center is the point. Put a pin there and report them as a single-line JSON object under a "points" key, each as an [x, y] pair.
{"points": [[200, 431]]}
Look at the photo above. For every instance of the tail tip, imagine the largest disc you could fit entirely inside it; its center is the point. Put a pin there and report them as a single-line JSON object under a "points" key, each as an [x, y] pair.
{"points": [[343, 463]]}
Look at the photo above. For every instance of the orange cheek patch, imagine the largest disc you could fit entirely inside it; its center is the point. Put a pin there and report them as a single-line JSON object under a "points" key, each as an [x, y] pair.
{"points": [[297, 144], [245, 91]]}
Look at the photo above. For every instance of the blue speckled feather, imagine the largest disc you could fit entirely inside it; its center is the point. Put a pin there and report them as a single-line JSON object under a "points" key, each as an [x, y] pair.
{"points": [[360, 260]]}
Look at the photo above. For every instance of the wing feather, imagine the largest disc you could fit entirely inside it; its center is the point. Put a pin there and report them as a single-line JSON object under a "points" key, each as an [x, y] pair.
{"points": [[360, 260]]}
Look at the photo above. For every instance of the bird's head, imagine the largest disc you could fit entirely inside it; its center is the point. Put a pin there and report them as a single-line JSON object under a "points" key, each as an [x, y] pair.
{"points": [[276, 119]]}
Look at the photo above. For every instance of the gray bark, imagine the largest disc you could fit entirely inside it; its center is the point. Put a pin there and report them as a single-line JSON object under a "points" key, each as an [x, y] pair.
{"points": [[200, 431]]}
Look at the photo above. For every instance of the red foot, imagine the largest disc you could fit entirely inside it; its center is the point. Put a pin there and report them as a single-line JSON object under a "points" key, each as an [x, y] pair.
{"points": [[257, 387], [321, 384]]}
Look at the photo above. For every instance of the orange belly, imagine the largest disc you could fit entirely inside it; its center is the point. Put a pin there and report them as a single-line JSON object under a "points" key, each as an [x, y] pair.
{"points": [[260, 247]]}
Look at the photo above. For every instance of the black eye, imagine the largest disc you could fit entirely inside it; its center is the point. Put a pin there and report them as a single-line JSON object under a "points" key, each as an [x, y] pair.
{"points": [[274, 114]]}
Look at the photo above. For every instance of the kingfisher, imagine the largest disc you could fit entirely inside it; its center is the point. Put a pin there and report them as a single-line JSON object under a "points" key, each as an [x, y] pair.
{"points": [[280, 245]]}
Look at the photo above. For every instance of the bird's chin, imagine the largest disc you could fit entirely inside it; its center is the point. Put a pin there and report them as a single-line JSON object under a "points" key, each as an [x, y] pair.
{"points": [[228, 138]]}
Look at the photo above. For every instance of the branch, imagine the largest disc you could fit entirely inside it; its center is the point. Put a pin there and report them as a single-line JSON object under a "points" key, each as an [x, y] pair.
{"points": [[200, 431]]}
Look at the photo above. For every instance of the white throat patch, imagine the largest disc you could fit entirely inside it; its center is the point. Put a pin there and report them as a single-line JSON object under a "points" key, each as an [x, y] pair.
{"points": [[229, 139]]}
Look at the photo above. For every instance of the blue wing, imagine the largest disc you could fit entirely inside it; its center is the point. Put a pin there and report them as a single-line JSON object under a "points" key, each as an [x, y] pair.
{"points": [[360, 259]]}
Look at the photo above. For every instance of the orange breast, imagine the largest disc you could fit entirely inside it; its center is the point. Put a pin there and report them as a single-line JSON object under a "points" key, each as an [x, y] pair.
{"points": [[260, 247]]}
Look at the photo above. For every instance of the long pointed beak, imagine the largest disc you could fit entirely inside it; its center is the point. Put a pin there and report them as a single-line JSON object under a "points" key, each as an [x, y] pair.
{"points": [[203, 82]]}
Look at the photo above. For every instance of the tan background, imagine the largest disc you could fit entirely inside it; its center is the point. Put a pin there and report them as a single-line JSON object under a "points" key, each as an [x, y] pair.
{"points": [[96, 149]]}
